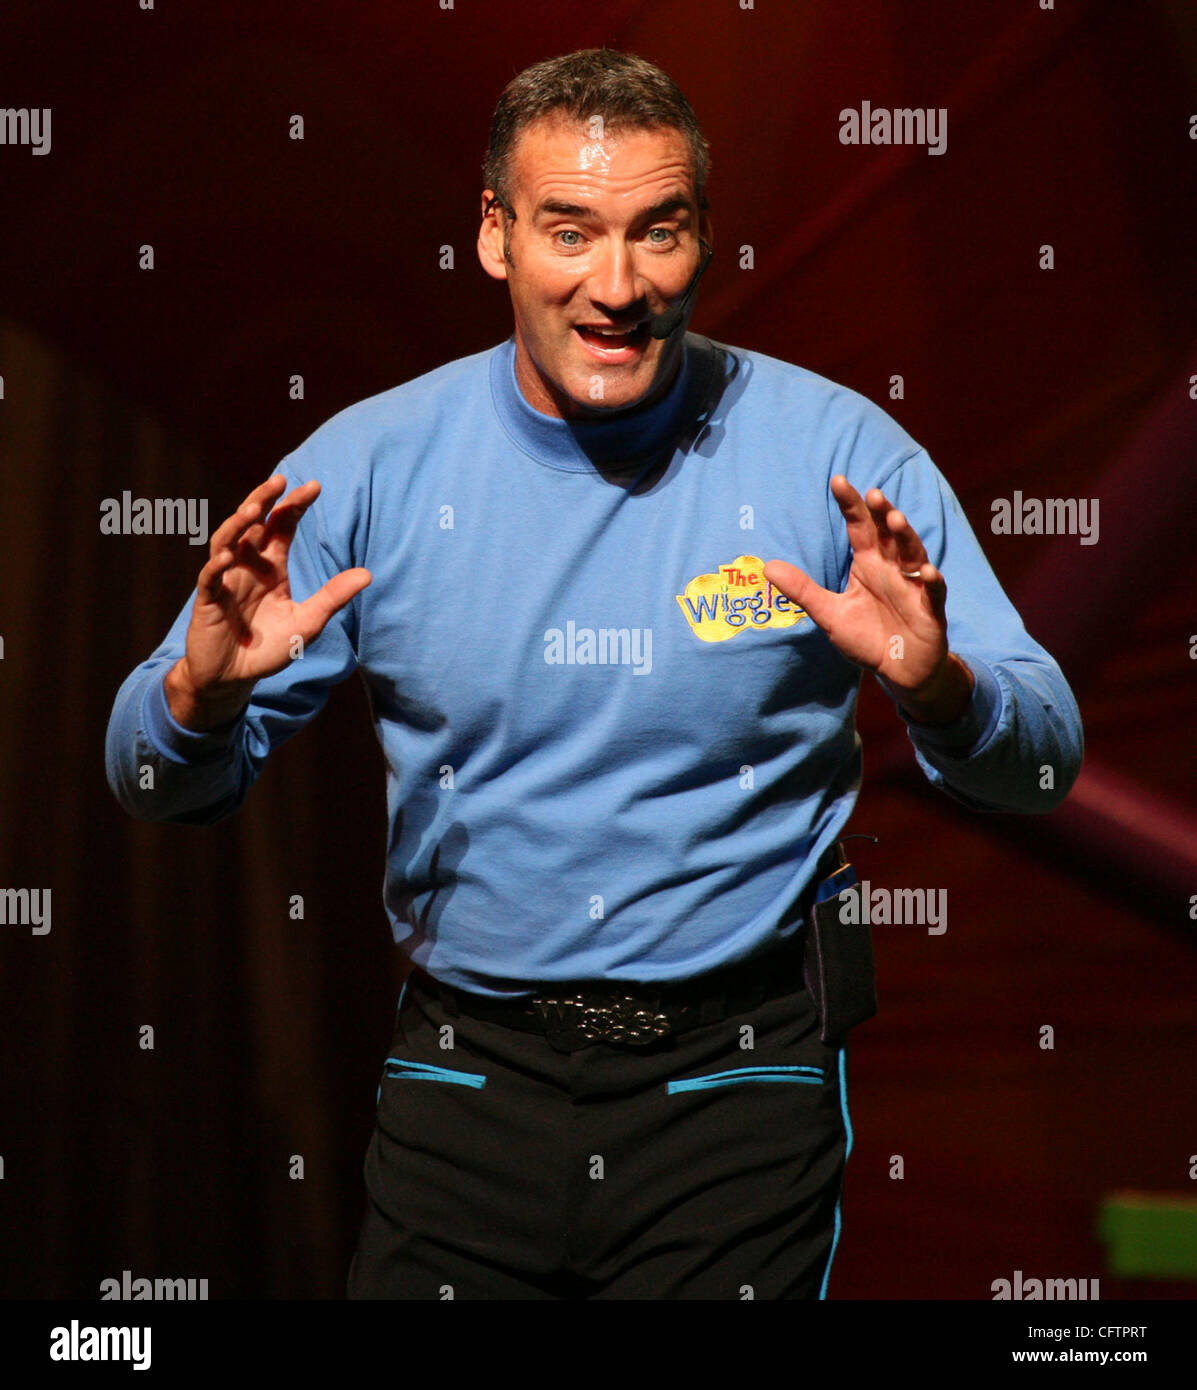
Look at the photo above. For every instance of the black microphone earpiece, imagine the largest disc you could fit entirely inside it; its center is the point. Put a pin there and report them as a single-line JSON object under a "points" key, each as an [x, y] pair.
{"points": [[668, 320]]}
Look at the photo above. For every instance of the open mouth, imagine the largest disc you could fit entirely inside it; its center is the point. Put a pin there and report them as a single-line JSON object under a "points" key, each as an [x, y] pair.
{"points": [[613, 343]]}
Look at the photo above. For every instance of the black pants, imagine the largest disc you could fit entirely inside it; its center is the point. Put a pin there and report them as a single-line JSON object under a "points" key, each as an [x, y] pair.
{"points": [[699, 1168]]}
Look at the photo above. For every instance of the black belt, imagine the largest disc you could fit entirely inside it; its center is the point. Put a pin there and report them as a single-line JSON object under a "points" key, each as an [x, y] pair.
{"points": [[576, 1014]]}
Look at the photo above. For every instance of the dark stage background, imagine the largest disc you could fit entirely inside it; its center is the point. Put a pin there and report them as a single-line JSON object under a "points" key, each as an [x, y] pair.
{"points": [[1070, 127]]}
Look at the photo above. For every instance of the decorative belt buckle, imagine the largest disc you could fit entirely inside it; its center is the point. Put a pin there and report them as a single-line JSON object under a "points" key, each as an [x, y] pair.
{"points": [[577, 1020]]}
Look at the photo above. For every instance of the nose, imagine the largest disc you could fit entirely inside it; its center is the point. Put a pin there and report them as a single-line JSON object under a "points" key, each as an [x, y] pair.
{"points": [[614, 284]]}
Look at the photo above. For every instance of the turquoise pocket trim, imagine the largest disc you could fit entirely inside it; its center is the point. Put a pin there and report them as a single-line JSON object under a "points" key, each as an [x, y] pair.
{"points": [[808, 1076], [398, 1069], [835, 1239]]}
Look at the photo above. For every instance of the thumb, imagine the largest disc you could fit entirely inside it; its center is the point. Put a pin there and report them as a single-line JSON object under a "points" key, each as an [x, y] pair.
{"points": [[313, 613], [797, 585]]}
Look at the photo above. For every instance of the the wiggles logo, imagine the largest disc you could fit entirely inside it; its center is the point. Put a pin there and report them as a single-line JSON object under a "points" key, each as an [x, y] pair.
{"points": [[736, 599]]}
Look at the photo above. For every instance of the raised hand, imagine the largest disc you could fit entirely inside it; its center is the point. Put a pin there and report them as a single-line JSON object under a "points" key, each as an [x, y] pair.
{"points": [[244, 623], [891, 617]]}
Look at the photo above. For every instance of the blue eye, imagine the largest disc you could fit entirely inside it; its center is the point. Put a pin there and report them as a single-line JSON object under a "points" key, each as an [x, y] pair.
{"points": [[667, 232], [569, 232]]}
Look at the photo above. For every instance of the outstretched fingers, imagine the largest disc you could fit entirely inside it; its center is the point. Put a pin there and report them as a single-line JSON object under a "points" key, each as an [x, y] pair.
{"points": [[862, 528], [230, 531], [899, 540], [226, 541], [280, 526], [243, 538], [907, 550]]}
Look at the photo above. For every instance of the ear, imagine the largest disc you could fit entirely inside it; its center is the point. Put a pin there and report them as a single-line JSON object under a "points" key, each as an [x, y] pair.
{"points": [[490, 238], [706, 228]]}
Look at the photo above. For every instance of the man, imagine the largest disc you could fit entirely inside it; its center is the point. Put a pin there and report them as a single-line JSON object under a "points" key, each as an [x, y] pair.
{"points": [[619, 735]]}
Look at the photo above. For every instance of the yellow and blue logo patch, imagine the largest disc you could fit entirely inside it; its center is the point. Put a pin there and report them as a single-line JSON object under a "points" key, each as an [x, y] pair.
{"points": [[736, 598]]}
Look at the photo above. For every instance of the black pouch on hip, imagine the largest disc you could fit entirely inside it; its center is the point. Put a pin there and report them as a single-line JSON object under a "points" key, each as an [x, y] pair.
{"points": [[838, 955]]}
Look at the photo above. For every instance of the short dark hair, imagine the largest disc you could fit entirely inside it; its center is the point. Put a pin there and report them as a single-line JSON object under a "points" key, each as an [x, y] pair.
{"points": [[627, 91]]}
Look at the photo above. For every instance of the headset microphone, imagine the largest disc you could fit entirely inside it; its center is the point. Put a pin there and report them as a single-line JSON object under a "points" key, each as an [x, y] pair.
{"points": [[668, 320]]}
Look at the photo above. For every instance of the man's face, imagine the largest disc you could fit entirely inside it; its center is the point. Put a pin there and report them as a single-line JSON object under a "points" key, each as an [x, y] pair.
{"points": [[605, 237]]}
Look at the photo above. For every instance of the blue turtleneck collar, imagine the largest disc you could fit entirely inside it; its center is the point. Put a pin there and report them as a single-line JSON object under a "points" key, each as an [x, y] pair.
{"points": [[579, 446]]}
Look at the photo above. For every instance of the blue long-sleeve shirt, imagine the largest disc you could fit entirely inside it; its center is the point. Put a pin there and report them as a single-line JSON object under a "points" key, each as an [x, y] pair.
{"points": [[613, 749]]}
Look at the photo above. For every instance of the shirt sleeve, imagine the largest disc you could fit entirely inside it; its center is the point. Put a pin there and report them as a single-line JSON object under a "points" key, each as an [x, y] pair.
{"points": [[160, 771], [1019, 744]]}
